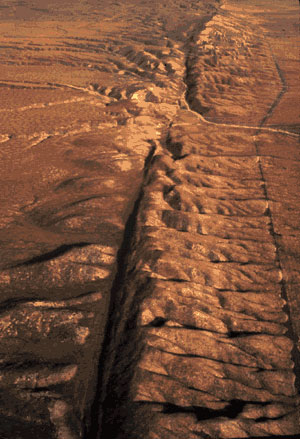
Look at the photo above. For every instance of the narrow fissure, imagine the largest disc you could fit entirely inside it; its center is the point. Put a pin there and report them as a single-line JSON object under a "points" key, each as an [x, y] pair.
{"points": [[289, 325], [117, 324], [116, 320]]}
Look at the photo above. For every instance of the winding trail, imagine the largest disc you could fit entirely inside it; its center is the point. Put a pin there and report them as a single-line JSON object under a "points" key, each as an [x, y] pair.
{"points": [[247, 127]]}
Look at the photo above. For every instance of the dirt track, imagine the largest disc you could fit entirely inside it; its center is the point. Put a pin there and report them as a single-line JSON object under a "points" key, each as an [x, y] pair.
{"points": [[149, 220]]}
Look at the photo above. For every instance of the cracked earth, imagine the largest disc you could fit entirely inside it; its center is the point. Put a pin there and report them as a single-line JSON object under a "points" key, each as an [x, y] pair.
{"points": [[149, 219]]}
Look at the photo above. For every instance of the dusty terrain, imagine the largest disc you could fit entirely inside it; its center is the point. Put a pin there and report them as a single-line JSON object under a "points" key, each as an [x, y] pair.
{"points": [[149, 219]]}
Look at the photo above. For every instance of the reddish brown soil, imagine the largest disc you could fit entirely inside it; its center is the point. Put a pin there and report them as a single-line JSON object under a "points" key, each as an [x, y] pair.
{"points": [[149, 219]]}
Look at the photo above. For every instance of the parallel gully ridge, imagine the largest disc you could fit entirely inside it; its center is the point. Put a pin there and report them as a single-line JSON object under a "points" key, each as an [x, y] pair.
{"points": [[205, 347]]}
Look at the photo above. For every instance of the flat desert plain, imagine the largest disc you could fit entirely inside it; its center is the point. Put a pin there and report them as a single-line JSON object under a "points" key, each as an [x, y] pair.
{"points": [[149, 219]]}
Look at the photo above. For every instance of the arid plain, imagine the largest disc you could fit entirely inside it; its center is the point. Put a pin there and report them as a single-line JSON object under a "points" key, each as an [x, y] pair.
{"points": [[149, 219]]}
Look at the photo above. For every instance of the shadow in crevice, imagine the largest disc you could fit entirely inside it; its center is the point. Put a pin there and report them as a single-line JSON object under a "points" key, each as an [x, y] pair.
{"points": [[122, 344], [59, 251], [231, 411]]}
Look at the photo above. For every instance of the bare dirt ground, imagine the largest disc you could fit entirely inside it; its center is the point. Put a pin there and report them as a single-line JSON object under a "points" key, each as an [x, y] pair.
{"points": [[149, 219]]}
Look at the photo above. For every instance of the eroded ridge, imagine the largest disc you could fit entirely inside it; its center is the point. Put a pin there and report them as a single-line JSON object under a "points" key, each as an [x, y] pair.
{"points": [[216, 360], [224, 71], [86, 97], [209, 343], [162, 222], [224, 66]]}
